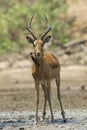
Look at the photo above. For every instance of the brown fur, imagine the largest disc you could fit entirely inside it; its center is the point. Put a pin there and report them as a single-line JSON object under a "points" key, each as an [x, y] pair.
{"points": [[49, 68], [51, 60]]}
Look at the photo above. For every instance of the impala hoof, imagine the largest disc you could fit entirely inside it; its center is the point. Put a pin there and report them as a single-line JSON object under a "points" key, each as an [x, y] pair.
{"points": [[35, 122], [65, 120]]}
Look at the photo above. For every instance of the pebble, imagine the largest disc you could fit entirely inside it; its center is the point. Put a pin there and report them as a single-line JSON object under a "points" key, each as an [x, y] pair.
{"points": [[21, 128]]}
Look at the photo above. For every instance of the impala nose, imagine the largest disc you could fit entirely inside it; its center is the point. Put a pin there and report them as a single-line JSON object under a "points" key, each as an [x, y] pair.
{"points": [[38, 54]]}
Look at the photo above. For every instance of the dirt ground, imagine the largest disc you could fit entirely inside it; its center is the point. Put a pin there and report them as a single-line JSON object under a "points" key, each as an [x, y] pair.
{"points": [[17, 91]]}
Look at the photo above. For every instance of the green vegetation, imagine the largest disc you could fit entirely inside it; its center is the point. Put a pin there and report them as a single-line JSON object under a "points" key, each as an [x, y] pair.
{"points": [[14, 17]]}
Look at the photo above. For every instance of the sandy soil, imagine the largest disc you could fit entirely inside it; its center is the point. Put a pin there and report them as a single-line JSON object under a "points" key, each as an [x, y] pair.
{"points": [[18, 95]]}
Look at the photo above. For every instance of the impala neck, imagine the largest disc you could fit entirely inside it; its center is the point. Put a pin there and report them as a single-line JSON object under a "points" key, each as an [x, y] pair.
{"points": [[40, 61]]}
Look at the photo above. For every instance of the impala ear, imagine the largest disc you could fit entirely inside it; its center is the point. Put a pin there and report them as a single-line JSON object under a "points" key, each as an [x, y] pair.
{"points": [[47, 39], [29, 39]]}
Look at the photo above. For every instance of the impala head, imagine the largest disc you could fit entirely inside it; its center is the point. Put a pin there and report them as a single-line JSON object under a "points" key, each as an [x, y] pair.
{"points": [[38, 43]]}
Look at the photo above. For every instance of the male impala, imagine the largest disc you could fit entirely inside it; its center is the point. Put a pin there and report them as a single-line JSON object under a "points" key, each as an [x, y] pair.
{"points": [[45, 67]]}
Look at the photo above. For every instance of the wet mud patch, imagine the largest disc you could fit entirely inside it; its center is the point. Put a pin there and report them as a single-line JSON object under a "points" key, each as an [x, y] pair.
{"points": [[76, 120]]}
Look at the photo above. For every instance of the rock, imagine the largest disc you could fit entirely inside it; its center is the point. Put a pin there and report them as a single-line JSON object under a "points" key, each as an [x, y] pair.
{"points": [[21, 128], [76, 8], [83, 87], [4, 65]]}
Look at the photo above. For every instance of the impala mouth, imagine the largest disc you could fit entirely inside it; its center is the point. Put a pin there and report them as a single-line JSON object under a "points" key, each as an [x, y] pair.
{"points": [[38, 55]]}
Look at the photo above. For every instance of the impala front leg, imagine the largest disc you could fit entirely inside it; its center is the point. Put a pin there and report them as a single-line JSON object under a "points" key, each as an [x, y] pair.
{"points": [[37, 103]]}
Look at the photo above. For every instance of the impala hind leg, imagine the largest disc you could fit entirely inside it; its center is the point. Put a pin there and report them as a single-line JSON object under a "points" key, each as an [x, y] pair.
{"points": [[45, 95], [59, 97], [49, 100]]}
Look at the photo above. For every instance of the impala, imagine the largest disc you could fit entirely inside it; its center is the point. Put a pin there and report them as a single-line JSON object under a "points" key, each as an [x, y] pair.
{"points": [[45, 68]]}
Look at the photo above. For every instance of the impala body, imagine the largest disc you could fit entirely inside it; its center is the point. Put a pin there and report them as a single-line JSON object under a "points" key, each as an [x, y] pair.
{"points": [[45, 68], [48, 68]]}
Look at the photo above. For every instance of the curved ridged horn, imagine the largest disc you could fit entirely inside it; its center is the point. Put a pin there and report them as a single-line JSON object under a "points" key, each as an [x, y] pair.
{"points": [[29, 28], [47, 30]]}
